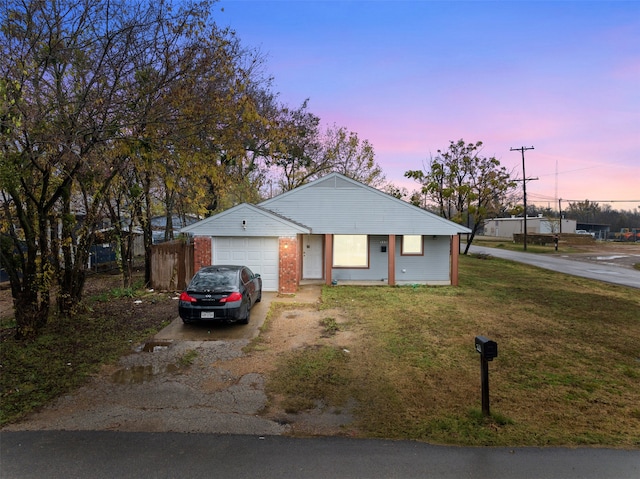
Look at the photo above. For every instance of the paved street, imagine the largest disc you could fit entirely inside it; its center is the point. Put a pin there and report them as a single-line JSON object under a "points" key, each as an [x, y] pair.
{"points": [[601, 272], [97, 455]]}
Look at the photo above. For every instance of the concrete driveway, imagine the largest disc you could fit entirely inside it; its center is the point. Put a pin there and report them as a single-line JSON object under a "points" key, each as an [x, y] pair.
{"points": [[213, 331], [179, 331]]}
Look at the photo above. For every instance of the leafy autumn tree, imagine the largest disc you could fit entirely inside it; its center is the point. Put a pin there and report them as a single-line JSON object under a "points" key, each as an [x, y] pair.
{"points": [[464, 186], [305, 154], [80, 80], [65, 65], [188, 150]]}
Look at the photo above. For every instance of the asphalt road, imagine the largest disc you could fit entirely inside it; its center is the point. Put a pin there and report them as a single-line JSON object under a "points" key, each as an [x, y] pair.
{"points": [[601, 272], [97, 455]]}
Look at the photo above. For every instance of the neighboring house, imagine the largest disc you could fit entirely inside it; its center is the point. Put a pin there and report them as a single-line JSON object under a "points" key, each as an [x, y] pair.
{"points": [[331, 230], [159, 225], [105, 249], [507, 227]]}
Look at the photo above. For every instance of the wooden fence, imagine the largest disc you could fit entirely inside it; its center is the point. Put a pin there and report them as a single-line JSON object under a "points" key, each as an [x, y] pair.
{"points": [[171, 265]]}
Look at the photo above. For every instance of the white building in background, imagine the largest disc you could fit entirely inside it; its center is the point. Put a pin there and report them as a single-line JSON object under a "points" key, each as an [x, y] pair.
{"points": [[507, 227]]}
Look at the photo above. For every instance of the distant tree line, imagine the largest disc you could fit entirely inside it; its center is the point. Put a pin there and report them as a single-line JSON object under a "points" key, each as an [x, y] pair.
{"points": [[592, 212]]}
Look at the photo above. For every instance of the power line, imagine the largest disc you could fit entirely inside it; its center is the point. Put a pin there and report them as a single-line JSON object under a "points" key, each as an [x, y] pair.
{"points": [[601, 201], [570, 171], [541, 197]]}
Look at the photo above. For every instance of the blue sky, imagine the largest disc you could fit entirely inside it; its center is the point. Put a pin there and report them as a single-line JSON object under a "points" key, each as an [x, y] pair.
{"points": [[409, 76]]}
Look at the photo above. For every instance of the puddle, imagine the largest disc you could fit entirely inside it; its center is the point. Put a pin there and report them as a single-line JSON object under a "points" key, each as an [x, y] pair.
{"points": [[154, 346], [134, 375]]}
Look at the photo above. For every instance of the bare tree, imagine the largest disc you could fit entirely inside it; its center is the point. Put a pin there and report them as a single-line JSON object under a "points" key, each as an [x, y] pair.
{"points": [[352, 157]]}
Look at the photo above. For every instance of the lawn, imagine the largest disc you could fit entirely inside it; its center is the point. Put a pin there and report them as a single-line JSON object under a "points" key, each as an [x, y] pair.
{"points": [[567, 373]]}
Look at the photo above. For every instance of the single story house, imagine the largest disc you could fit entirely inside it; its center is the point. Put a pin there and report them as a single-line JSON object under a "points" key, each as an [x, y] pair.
{"points": [[333, 229]]}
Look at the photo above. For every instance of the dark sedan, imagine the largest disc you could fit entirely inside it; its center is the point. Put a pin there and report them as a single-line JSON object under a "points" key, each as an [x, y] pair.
{"points": [[221, 293]]}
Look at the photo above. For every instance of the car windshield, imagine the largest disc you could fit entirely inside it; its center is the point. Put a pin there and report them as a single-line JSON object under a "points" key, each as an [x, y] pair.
{"points": [[214, 280]]}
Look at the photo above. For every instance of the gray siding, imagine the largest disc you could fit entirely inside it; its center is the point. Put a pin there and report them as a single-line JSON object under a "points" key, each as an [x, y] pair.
{"points": [[257, 222], [341, 206], [432, 267], [378, 264]]}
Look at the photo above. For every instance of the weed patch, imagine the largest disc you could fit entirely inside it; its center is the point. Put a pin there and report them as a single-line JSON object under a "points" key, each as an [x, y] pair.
{"points": [[188, 358], [311, 377]]}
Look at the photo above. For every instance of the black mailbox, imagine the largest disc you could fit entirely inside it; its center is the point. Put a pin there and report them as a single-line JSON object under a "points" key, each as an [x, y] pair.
{"points": [[488, 349]]}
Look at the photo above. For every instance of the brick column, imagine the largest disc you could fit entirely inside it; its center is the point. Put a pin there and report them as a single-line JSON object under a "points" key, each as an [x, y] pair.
{"points": [[328, 258], [201, 252], [288, 267], [455, 249], [391, 258]]}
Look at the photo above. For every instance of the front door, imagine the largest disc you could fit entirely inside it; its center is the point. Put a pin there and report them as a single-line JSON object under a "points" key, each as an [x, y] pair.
{"points": [[312, 256]]}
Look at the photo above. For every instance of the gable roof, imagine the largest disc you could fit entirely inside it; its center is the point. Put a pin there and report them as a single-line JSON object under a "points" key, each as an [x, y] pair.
{"points": [[336, 204], [333, 204], [246, 220]]}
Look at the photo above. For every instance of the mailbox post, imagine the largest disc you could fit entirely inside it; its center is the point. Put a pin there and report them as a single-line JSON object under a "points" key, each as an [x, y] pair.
{"points": [[488, 350]]}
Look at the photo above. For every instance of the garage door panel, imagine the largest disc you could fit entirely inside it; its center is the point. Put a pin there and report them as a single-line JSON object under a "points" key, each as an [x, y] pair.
{"points": [[271, 255], [223, 258], [239, 256], [254, 256], [259, 254]]}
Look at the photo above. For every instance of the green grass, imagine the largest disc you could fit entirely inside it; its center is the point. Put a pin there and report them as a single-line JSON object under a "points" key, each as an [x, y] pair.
{"points": [[566, 373], [330, 326], [312, 377]]}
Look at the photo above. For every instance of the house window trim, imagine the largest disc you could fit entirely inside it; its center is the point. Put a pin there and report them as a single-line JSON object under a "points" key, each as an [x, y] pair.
{"points": [[333, 255], [402, 252]]}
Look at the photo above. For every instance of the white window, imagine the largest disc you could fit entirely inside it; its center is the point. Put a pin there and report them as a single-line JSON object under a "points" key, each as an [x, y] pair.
{"points": [[350, 251], [412, 245]]}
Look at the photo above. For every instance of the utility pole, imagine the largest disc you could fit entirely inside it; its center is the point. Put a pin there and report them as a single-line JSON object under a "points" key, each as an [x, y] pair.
{"points": [[560, 213], [524, 189]]}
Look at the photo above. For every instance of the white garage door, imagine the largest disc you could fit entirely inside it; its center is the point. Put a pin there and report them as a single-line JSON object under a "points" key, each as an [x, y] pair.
{"points": [[259, 254]]}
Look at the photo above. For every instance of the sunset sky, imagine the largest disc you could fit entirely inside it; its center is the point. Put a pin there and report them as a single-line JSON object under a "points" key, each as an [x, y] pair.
{"points": [[409, 76]]}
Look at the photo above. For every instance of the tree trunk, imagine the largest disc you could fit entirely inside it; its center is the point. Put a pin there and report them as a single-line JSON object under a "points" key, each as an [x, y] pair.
{"points": [[145, 220], [75, 248], [31, 314]]}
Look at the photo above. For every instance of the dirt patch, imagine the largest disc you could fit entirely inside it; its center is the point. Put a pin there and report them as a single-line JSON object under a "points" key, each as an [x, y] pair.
{"points": [[298, 329]]}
